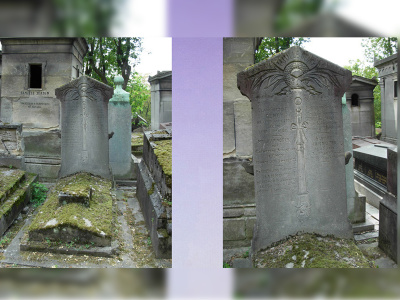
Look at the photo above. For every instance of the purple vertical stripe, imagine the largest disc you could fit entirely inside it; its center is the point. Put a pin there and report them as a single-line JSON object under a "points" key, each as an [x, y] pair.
{"points": [[197, 152], [200, 18]]}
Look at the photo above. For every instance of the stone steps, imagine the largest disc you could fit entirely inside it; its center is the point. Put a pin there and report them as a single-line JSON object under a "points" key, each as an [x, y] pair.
{"points": [[10, 179], [16, 201]]}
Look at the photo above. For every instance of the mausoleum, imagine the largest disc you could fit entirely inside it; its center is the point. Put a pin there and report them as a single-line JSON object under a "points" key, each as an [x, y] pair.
{"points": [[387, 73], [31, 70]]}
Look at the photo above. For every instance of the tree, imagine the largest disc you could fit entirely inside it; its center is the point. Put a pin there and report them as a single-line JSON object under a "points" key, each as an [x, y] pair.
{"points": [[139, 96], [359, 68], [108, 57], [379, 47], [271, 46]]}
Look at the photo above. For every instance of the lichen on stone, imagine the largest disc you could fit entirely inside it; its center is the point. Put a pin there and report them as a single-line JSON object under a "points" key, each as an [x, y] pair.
{"points": [[312, 251]]}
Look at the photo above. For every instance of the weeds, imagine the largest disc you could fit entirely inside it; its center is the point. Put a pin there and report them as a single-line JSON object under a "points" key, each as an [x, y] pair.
{"points": [[39, 194]]}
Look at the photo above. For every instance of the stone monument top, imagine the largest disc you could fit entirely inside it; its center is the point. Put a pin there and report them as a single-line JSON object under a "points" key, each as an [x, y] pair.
{"points": [[119, 94]]}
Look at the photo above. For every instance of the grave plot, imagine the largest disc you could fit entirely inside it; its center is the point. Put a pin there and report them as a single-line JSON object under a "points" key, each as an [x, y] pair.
{"points": [[154, 189], [76, 218]]}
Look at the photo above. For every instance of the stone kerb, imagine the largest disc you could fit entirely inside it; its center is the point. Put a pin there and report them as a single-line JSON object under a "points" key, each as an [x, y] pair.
{"points": [[84, 127], [298, 151]]}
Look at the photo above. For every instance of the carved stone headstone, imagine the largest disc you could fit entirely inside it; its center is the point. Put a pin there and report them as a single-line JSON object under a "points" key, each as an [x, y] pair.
{"points": [[298, 152], [84, 127], [120, 122]]}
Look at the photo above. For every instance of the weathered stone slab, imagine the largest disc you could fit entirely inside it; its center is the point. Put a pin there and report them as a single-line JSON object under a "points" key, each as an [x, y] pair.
{"points": [[229, 128], [298, 153], [37, 112], [238, 185], [84, 127], [10, 139], [42, 144], [120, 123], [243, 128]]}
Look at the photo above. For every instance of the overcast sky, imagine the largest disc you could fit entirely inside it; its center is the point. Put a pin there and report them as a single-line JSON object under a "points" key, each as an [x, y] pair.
{"points": [[336, 50], [156, 55]]}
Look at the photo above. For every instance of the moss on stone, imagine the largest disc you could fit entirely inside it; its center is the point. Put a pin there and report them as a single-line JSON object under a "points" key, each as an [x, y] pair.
{"points": [[16, 198], [151, 190], [9, 179], [137, 139], [163, 151], [97, 218], [312, 251]]}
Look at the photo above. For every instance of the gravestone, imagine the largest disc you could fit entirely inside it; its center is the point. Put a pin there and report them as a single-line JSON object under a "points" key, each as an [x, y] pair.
{"points": [[298, 152], [84, 127], [120, 122]]}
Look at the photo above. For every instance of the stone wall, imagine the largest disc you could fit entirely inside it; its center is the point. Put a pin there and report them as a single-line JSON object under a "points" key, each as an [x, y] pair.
{"points": [[238, 186]]}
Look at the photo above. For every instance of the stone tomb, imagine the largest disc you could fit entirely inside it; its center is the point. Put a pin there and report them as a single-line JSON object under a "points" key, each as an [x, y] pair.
{"points": [[298, 152], [84, 127]]}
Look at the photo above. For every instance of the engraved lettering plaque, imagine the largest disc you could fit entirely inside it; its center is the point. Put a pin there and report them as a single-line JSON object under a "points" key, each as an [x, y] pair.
{"points": [[84, 127], [299, 168]]}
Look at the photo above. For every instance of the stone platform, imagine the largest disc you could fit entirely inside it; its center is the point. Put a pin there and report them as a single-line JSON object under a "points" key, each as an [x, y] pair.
{"points": [[73, 223], [15, 193]]}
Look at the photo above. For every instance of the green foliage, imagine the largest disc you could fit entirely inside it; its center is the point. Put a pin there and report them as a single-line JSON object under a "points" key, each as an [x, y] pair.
{"points": [[4, 241], [149, 241], [82, 18], [379, 47], [108, 57], [378, 124], [271, 46], [360, 68], [295, 11], [39, 194], [226, 265], [140, 96]]}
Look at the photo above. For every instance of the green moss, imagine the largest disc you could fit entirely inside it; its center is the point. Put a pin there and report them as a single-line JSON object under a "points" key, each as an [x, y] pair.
{"points": [[313, 251], [99, 213], [137, 139], [16, 198], [160, 132], [9, 179], [151, 190], [163, 151]]}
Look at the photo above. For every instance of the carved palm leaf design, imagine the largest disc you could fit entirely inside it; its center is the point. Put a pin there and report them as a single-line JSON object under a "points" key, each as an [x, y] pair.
{"points": [[274, 77], [321, 76]]}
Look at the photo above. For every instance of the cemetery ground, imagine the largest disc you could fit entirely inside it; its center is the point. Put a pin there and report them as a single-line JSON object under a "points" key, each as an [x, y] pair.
{"points": [[313, 251], [131, 244]]}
